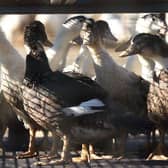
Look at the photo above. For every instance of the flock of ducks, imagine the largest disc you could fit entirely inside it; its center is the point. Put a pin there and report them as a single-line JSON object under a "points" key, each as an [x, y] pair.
{"points": [[70, 104]]}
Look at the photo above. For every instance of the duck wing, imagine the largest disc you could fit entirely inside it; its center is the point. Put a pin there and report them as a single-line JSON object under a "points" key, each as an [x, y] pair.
{"points": [[72, 90], [59, 96], [158, 98]]}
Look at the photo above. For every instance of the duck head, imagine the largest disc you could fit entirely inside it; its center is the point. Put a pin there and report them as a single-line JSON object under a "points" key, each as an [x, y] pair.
{"points": [[152, 23], [74, 25], [146, 45], [97, 33], [35, 32]]}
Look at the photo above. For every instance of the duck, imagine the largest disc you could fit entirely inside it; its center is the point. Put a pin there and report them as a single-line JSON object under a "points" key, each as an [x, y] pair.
{"points": [[13, 71], [70, 106], [123, 86], [69, 30], [83, 64], [35, 27], [153, 47], [11, 82], [10, 86], [153, 23]]}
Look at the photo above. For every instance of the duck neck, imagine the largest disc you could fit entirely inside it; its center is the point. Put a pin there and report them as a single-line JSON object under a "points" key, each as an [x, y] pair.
{"points": [[108, 73], [161, 63], [84, 62], [13, 64], [58, 53], [147, 68], [97, 54]]}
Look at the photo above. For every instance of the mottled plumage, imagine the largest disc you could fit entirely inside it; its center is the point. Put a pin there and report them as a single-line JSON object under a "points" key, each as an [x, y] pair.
{"points": [[158, 99], [152, 47]]}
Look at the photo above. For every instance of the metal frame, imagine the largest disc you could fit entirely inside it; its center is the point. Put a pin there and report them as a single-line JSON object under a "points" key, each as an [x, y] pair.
{"points": [[89, 6]]}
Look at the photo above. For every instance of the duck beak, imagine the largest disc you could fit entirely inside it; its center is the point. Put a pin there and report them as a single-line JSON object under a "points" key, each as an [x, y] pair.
{"points": [[129, 52], [47, 43], [127, 48]]}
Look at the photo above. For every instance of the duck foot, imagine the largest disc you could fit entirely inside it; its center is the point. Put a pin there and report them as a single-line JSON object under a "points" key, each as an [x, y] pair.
{"points": [[48, 157], [118, 158], [96, 157], [153, 156], [160, 153], [92, 157], [79, 159], [51, 162], [25, 155]]}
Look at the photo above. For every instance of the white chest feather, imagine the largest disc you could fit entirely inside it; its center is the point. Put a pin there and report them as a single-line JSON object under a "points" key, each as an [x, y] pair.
{"points": [[161, 63], [147, 68]]}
